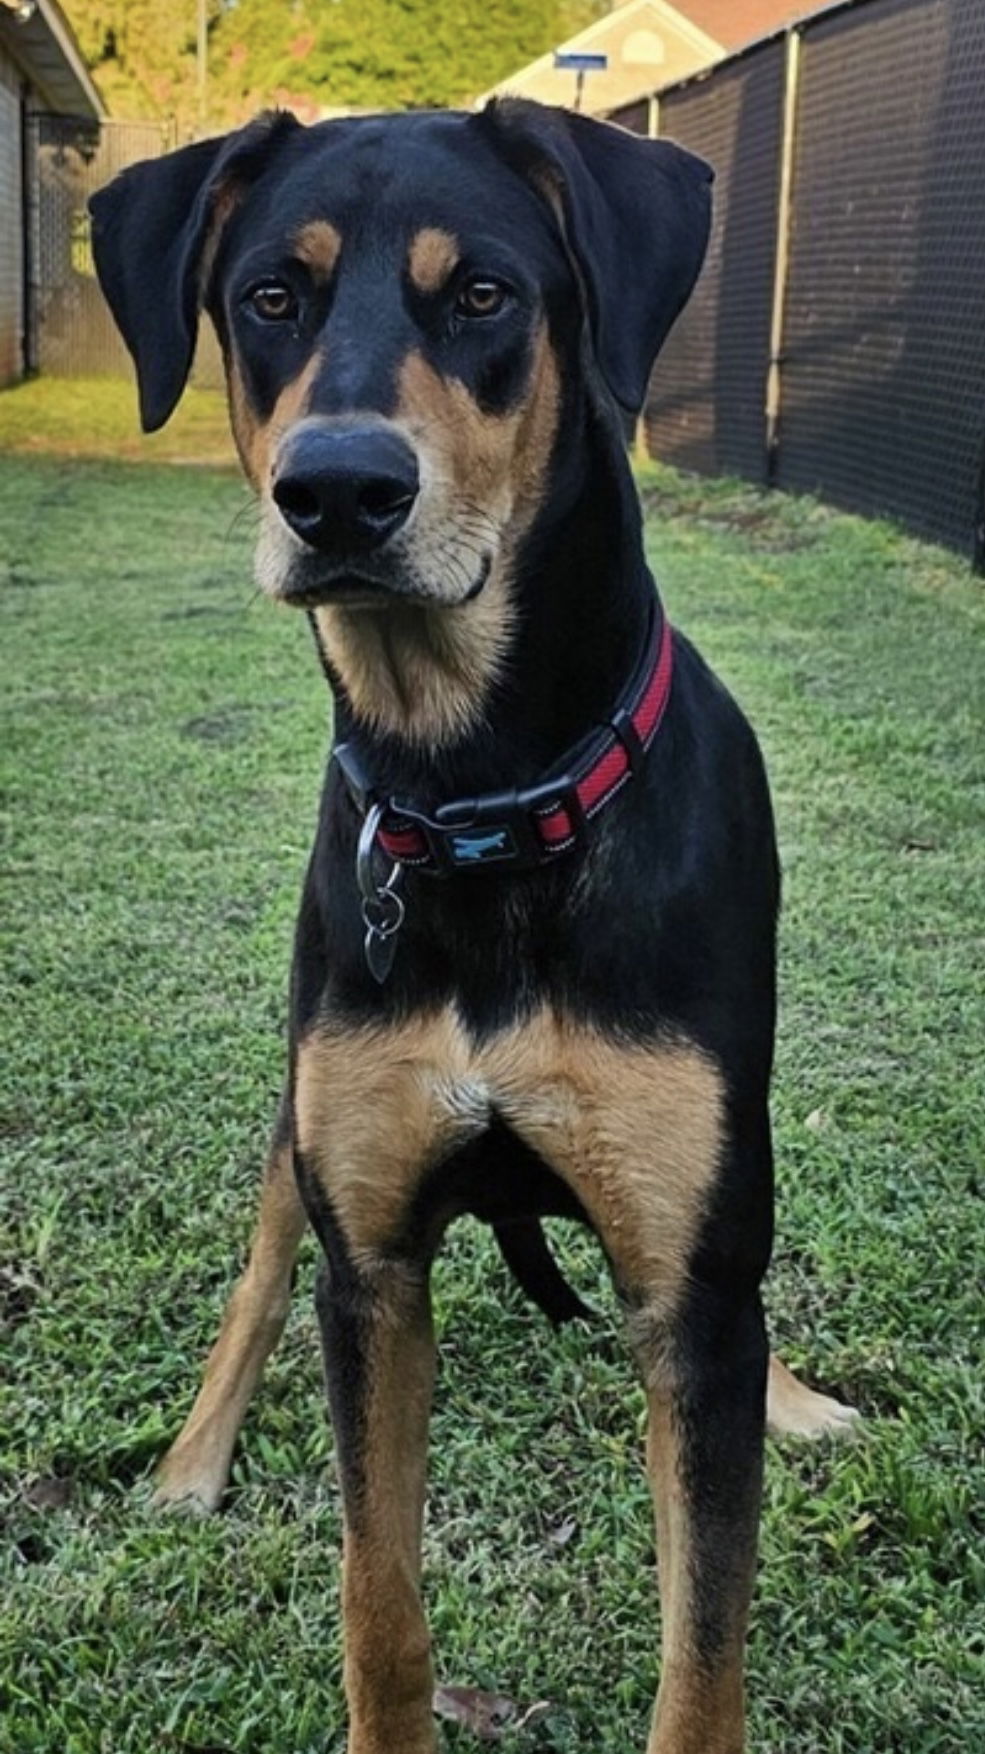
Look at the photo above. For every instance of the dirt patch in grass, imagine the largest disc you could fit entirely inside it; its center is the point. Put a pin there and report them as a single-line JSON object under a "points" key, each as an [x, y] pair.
{"points": [[763, 522]]}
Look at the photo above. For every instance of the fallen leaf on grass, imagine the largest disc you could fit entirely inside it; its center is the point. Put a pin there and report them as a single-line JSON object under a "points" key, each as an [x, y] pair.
{"points": [[563, 1532], [487, 1715], [51, 1494]]}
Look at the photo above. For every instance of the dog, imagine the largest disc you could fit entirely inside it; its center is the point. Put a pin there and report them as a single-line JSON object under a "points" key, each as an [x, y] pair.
{"points": [[534, 963]]}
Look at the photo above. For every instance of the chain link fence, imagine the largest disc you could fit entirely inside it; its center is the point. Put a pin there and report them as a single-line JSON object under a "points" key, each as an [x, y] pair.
{"points": [[70, 330], [836, 341]]}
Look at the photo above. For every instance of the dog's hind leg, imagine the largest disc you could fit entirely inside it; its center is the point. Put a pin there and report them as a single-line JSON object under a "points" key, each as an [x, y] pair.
{"points": [[794, 1410], [195, 1470]]}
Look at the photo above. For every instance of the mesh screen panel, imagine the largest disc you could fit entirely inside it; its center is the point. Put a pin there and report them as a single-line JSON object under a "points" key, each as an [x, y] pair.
{"points": [[706, 408], [883, 387], [74, 334]]}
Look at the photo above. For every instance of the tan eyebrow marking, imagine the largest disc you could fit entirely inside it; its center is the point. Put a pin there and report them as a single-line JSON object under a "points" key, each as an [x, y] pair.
{"points": [[432, 256], [318, 245]]}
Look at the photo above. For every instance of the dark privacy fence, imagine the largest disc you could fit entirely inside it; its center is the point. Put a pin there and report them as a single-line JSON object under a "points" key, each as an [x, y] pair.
{"points": [[70, 330], [836, 340]]}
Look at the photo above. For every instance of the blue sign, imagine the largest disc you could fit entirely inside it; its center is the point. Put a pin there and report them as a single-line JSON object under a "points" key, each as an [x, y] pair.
{"points": [[577, 63]]}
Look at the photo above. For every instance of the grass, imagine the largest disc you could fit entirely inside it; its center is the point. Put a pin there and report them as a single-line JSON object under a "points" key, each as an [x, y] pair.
{"points": [[162, 746], [97, 417]]}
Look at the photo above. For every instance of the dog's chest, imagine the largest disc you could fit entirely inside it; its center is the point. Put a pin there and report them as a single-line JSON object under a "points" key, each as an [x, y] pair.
{"points": [[633, 1128]]}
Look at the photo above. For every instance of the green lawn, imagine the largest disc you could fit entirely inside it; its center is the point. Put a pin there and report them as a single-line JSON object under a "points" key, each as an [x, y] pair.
{"points": [[162, 746], [97, 417]]}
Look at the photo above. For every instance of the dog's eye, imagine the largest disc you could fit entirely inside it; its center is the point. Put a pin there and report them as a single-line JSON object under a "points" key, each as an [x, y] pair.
{"points": [[481, 298], [274, 302]]}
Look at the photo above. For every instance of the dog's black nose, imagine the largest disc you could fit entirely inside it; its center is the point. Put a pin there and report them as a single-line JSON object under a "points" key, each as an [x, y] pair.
{"points": [[345, 489]]}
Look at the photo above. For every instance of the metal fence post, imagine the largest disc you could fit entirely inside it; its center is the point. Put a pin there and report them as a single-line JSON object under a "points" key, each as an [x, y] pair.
{"points": [[783, 218], [31, 243], [641, 449]]}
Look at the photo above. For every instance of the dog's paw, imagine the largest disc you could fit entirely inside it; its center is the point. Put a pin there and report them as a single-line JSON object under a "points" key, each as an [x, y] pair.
{"points": [[189, 1490], [191, 1501], [794, 1410]]}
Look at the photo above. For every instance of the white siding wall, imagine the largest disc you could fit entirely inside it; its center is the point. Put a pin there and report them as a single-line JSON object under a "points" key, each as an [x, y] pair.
{"points": [[11, 235]]}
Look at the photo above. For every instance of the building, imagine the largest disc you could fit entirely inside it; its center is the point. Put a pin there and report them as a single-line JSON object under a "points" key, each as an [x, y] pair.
{"points": [[649, 43], [737, 23], [41, 70]]}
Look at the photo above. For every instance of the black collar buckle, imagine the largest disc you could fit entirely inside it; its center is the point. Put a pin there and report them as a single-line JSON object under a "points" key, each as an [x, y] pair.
{"points": [[495, 830]]}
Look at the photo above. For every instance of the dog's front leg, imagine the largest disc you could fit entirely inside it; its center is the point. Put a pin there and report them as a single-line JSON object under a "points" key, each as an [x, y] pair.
{"points": [[701, 1342], [375, 1110], [644, 1136], [706, 1380], [379, 1364]]}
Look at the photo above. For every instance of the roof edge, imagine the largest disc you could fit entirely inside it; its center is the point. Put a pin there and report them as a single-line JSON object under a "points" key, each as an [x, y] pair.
{"points": [[68, 43], [797, 23], [22, 42]]}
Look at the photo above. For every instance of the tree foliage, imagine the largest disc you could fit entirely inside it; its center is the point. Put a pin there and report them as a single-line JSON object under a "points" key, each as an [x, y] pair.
{"points": [[312, 54]]}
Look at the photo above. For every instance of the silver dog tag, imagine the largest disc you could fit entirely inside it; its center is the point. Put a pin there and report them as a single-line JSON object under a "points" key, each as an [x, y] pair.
{"points": [[382, 908], [379, 950]]}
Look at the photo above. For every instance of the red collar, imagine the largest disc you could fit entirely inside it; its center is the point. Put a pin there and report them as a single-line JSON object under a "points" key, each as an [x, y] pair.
{"points": [[519, 828]]}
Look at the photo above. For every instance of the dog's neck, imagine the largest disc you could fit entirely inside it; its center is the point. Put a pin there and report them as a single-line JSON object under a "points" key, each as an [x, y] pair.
{"points": [[580, 609]]}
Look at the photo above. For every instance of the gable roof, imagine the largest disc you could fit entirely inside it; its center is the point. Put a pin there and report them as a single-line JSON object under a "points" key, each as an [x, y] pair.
{"points": [[647, 43], [735, 23]]}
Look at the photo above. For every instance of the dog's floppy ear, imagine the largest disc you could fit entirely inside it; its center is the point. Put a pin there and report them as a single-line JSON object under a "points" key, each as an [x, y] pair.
{"points": [[635, 216], [154, 230]]}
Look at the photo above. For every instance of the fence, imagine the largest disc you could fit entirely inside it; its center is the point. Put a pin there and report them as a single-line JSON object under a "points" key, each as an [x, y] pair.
{"points": [[70, 331], [836, 340]]}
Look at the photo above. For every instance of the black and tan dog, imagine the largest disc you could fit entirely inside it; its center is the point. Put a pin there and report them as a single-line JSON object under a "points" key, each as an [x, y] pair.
{"points": [[534, 966]]}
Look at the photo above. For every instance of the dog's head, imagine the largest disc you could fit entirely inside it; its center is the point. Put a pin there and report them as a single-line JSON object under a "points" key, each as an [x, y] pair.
{"points": [[403, 304]]}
